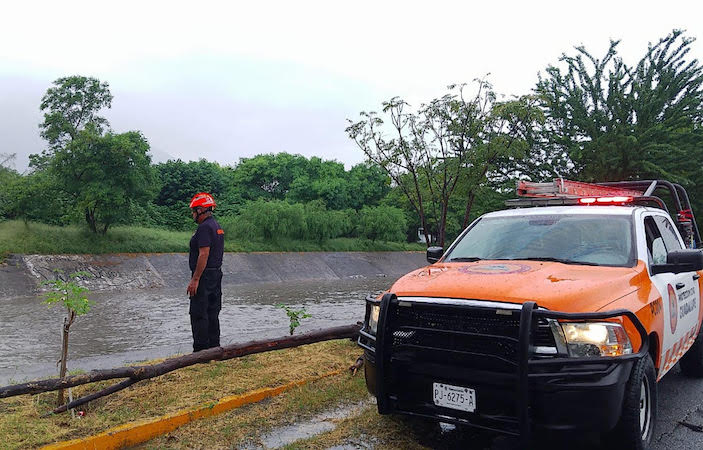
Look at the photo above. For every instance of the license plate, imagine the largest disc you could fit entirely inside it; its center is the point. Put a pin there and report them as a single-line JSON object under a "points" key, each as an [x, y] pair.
{"points": [[454, 397]]}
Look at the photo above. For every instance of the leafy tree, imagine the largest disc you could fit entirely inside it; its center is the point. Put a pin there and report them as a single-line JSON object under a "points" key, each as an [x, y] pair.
{"points": [[503, 150], [36, 197], [276, 218], [369, 184], [618, 122], [268, 176], [71, 105], [8, 179], [382, 223], [104, 175], [322, 224], [301, 180], [72, 296], [428, 152], [181, 180]]}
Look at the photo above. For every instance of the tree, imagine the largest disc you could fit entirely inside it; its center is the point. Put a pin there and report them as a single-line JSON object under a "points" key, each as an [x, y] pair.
{"points": [[105, 174], [72, 296], [384, 223], [324, 180], [617, 122], [268, 176], [36, 197], [8, 180], [72, 104], [427, 152], [369, 184], [503, 149], [181, 180]]}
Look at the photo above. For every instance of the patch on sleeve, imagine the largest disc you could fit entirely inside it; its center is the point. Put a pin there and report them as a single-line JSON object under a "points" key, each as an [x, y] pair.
{"points": [[220, 231]]}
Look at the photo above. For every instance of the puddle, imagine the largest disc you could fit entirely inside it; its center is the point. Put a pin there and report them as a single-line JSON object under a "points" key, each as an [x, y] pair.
{"points": [[321, 423]]}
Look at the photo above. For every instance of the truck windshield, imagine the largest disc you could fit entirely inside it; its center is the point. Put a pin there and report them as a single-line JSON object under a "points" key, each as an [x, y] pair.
{"points": [[570, 239]]}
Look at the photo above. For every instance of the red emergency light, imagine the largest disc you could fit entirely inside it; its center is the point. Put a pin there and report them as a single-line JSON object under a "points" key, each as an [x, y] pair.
{"points": [[605, 200]]}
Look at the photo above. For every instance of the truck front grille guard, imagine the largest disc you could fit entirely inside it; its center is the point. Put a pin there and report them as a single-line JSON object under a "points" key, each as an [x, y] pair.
{"points": [[525, 361]]}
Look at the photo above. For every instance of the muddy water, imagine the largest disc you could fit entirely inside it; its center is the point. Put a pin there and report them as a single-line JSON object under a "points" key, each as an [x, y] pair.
{"points": [[130, 326]]}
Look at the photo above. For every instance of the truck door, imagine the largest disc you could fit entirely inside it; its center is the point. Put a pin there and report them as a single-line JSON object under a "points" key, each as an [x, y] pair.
{"points": [[680, 292]]}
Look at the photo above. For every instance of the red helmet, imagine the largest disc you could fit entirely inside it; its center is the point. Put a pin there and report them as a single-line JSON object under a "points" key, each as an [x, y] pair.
{"points": [[203, 200]]}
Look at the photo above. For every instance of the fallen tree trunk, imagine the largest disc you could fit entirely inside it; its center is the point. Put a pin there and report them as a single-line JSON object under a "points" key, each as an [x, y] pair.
{"points": [[144, 372], [83, 400]]}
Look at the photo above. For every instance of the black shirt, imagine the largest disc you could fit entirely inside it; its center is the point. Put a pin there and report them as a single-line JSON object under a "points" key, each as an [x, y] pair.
{"points": [[208, 234]]}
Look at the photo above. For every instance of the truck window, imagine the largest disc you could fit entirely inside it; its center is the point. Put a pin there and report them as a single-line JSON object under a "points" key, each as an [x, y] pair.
{"points": [[655, 243], [671, 240], [571, 238]]}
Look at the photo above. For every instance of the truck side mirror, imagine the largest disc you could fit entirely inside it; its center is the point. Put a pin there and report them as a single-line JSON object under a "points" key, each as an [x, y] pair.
{"points": [[434, 254], [677, 261]]}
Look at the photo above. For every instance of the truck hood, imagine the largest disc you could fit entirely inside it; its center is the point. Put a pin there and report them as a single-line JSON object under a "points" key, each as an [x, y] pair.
{"points": [[555, 286]]}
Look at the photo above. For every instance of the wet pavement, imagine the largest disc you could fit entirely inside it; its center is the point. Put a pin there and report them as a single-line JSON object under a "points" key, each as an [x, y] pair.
{"points": [[137, 325]]}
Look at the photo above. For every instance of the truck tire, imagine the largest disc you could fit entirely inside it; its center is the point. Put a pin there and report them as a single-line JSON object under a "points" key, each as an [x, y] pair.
{"points": [[635, 428], [692, 361]]}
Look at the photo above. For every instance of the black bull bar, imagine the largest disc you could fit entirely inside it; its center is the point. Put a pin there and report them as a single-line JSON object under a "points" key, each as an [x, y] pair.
{"points": [[529, 313]]}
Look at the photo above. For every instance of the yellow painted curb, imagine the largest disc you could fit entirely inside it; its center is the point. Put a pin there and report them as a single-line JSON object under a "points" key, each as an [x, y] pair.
{"points": [[138, 432]]}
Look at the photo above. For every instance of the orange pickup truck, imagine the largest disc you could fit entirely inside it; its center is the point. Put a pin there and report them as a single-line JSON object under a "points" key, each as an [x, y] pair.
{"points": [[561, 313]]}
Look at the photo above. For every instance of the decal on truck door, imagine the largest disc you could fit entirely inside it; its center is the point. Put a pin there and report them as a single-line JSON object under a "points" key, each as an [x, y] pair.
{"points": [[679, 293], [673, 308]]}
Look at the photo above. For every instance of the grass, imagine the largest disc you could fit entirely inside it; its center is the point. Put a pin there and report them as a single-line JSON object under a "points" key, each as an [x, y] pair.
{"points": [[22, 427], [36, 238], [388, 432], [246, 425]]}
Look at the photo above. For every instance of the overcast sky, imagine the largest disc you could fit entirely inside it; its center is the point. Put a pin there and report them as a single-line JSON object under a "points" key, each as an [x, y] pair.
{"points": [[225, 80]]}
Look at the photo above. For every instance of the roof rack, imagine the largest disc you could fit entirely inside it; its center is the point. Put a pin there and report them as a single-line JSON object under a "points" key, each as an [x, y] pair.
{"points": [[571, 189], [565, 192]]}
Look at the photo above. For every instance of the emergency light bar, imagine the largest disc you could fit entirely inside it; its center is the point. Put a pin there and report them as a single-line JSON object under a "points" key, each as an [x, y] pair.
{"points": [[605, 200], [561, 192]]}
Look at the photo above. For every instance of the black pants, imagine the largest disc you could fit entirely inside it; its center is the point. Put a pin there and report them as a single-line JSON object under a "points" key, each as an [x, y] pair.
{"points": [[205, 310]]}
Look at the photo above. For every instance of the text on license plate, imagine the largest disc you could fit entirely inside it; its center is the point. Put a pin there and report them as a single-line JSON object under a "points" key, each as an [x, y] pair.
{"points": [[454, 397]]}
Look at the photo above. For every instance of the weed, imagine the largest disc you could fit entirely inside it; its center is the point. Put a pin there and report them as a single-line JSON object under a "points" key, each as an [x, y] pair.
{"points": [[294, 316]]}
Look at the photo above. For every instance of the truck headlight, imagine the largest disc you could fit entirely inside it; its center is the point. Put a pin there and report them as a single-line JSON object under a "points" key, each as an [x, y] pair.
{"points": [[373, 317], [596, 339]]}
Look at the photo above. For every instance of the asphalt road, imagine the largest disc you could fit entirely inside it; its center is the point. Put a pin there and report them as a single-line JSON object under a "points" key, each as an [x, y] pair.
{"points": [[680, 401]]}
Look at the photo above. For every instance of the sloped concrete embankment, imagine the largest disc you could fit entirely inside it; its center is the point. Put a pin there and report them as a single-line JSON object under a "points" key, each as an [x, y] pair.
{"points": [[22, 275]]}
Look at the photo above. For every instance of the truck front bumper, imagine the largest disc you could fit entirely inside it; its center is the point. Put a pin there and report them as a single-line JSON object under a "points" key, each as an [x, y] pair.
{"points": [[514, 397]]}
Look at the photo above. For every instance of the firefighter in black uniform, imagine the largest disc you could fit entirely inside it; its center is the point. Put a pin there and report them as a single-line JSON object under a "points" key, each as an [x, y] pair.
{"points": [[205, 288]]}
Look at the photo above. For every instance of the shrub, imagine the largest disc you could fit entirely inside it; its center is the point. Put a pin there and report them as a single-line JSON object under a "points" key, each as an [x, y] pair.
{"points": [[276, 219], [237, 227], [385, 223]]}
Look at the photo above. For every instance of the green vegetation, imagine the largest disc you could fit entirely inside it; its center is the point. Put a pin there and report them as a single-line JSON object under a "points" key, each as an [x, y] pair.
{"points": [[35, 238], [69, 294], [22, 427], [432, 169], [294, 316]]}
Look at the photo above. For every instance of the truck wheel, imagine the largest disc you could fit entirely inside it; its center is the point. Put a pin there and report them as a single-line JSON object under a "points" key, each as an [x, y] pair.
{"points": [[639, 409], [692, 362]]}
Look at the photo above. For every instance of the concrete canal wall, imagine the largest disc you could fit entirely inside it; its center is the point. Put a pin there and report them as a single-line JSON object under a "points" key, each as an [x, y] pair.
{"points": [[21, 275]]}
